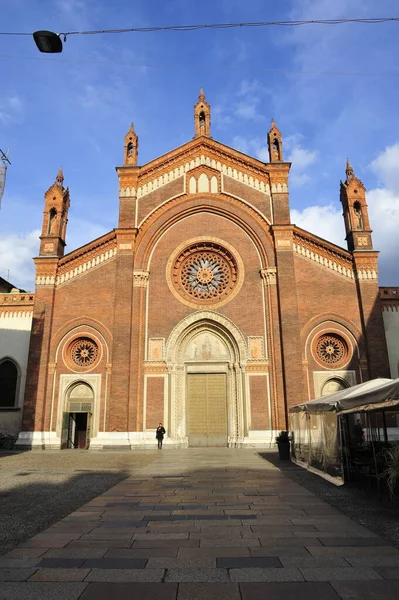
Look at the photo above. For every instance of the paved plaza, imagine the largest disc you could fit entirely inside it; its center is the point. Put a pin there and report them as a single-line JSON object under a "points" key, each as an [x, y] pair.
{"points": [[199, 524]]}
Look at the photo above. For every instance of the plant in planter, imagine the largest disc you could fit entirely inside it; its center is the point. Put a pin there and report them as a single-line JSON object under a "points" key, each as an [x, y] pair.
{"points": [[283, 444], [7, 441], [391, 473]]}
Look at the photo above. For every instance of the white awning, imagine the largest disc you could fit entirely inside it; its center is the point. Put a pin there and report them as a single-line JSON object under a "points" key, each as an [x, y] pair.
{"points": [[376, 394]]}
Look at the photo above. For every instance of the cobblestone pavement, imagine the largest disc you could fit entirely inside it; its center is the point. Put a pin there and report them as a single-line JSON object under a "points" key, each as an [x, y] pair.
{"points": [[199, 524]]}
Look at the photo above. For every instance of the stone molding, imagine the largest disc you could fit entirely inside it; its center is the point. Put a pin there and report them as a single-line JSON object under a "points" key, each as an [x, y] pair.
{"points": [[198, 318], [140, 278], [269, 275]]}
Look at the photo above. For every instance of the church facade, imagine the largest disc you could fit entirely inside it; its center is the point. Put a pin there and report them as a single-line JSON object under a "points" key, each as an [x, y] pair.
{"points": [[205, 309]]}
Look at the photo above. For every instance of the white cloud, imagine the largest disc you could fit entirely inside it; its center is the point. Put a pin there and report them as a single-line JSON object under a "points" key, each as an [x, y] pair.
{"points": [[16, 253], [70, 6], [386, 167], [251, 87], [253, 146], [300, 157], [11, 109], [82, 232], [324, 221], [247, 109]]}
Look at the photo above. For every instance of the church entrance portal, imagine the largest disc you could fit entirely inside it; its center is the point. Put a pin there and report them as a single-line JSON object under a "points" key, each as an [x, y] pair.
{"points": [[207, 409], [206, 358], [76, 422], [76, 431]]}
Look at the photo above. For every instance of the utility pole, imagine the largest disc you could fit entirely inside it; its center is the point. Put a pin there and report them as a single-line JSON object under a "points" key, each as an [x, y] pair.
{"points": [[4, 162]]}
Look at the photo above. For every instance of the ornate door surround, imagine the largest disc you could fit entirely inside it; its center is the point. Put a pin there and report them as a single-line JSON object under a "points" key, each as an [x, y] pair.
{"points": [[232, 359]]}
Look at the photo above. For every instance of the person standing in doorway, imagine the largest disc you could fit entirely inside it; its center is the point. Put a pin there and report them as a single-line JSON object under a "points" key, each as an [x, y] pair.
{"points": [[159, 435]]}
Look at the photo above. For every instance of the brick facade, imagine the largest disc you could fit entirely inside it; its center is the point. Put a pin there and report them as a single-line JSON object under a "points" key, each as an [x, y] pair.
{"points": [[288, 298]]}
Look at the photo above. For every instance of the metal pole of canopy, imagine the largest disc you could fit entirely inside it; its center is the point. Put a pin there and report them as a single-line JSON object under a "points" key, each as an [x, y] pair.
{"points": [[384, 421], [368, 423]]}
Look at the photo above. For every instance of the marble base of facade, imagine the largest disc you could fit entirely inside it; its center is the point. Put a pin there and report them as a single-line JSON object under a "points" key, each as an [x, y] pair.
{"points": [[125, 440]]}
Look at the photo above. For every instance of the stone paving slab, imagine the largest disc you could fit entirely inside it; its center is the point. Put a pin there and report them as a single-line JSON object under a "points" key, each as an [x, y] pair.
{"points": [[42, 591], [340, 574], [127, 591], [123, 575], [389, 573], [209, 523], [60, 575], [272, 575], [370, 590], [208, 591], [282, 591], [15, 574], [197, 575]]}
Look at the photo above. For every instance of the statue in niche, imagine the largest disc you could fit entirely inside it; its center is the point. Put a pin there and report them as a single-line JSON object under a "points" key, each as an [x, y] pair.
{"points": [[357, 209], [52, 226]]}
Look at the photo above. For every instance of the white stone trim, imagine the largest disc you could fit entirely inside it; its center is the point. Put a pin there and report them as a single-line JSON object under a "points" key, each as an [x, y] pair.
{"points": [[65, 382], [20, 314], [367, 275], [323, 261], [45, 280], [261, 438], [39, 439], [177, 172], [82, 268]]}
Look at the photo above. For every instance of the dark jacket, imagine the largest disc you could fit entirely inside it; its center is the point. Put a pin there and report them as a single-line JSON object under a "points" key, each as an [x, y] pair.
{"points": [[160, 433]]}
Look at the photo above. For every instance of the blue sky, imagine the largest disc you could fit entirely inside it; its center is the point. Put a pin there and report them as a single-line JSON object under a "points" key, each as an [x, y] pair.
{"points": [[74, 109]]}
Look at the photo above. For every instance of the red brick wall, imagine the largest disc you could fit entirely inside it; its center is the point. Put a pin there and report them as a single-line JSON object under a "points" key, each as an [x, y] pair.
{"points": [[260, 200], [260, 418], [150, 201], [155, 402]]}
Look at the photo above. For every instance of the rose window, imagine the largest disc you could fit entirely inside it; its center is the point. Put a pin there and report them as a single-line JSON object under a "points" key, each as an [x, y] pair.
{"points": [[84, 352], [205, 272], [331, 349]]}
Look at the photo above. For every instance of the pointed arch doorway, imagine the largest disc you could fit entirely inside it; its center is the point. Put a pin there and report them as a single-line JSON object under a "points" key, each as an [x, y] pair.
{"points": [[206, 356]]}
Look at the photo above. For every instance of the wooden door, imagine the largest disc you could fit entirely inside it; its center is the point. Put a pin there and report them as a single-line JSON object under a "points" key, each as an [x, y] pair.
{"points": [[207, 410]]}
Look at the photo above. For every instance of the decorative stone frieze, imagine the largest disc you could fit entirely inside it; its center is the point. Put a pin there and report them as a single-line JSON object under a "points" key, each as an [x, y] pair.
{"points": [[140, 278], [269, 275], [223, 168]]}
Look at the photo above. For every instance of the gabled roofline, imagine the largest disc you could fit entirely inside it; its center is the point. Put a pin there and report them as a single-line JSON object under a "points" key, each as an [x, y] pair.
{"points": [[103, 239], [322, 242], [213, 144]]}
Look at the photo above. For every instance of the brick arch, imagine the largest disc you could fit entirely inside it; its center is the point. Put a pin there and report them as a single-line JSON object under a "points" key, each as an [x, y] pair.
{"points": [[81, 326], [245, 217], [332, 317], [336, 326]]}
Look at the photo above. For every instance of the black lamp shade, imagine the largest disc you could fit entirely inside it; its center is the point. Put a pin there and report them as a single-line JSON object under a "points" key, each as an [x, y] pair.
{"points": [[47, 41]]}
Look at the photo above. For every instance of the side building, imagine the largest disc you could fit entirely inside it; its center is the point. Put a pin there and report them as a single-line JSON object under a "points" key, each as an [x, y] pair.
{"points": [[16, 309]]}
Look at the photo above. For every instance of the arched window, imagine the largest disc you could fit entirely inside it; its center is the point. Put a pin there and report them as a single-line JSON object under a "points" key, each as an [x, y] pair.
{"points": [[130, 148], [8, 383]]}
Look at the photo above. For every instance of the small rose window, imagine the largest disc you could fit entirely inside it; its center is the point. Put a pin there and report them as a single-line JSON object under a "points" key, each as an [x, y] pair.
{"points": [[83, 352], [331, 349]]}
